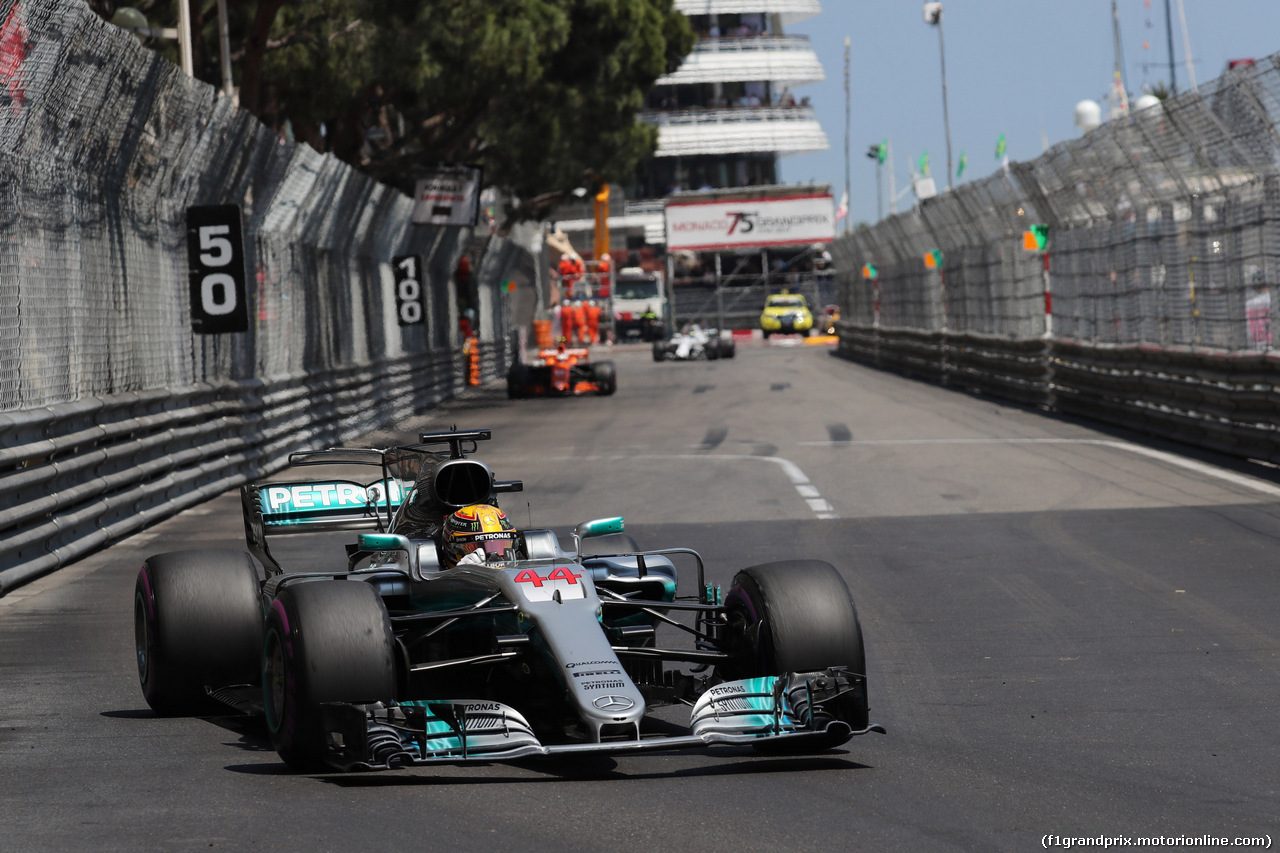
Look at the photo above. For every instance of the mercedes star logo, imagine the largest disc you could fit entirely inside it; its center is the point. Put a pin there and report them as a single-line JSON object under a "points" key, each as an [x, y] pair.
{"points": [[613, 703]]}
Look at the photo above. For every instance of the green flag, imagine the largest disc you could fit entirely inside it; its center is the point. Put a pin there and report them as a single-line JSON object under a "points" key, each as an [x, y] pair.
{"points": [[882, 151], [923, 163], [964, 161], [1000, 147]]}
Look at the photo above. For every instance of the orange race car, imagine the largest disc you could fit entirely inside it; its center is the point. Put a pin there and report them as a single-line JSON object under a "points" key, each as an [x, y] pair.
{"points": [[561, 371]]}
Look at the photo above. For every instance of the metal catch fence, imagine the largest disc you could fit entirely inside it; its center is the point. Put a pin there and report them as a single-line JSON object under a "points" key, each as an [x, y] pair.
{"points": [[1162, 230], [113, 410], [1151, 304]]}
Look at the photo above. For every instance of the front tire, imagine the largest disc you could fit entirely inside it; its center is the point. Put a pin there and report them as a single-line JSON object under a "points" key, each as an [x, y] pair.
{"points": [[606, 377], [197, 622], [326, 641], [517, 381], [796, 616]]}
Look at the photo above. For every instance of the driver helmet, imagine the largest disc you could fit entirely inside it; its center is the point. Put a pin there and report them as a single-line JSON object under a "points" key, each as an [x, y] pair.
{"points": [[481, 529]]}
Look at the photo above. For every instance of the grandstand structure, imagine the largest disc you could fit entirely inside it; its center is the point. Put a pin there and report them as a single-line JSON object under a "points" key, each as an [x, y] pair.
{"points": [[724, 117]]}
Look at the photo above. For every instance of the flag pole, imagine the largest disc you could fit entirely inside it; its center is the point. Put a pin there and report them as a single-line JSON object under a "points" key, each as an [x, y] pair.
{"points": [[846, 130]]}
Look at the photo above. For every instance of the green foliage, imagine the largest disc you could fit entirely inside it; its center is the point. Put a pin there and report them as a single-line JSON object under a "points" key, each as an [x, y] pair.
{"points": [[542, 93], [317, 72]]}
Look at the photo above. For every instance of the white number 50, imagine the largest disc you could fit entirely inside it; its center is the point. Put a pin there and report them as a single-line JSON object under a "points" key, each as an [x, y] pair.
{"points": [[211, 239]]}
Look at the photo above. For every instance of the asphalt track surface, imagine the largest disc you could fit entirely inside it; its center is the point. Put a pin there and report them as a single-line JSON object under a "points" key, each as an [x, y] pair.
{"points": [[1069, 632]]}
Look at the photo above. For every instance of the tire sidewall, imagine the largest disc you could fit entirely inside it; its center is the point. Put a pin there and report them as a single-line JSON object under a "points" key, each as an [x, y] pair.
{"points": [[517, 380], [280, 662], [324, 641]]}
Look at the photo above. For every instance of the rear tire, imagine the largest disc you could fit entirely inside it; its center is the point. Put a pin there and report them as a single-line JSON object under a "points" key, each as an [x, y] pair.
{"points": [[326, 641], [197, 622], [728, 348]]}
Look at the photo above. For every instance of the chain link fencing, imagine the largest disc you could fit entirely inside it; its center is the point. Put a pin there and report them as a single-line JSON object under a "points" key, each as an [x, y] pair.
{"points": [[1163, 231], [1151, 304], [112, 410]]}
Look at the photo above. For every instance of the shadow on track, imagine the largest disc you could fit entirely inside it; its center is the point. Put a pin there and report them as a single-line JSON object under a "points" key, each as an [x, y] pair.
{"points": [[598, 769]]}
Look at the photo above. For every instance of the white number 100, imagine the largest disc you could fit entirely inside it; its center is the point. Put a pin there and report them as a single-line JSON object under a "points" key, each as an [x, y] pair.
{"points": [[409, 292]]}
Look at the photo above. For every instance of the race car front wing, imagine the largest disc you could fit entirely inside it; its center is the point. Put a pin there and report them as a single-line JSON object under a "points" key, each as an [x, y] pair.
{"points": [[799, 708]]}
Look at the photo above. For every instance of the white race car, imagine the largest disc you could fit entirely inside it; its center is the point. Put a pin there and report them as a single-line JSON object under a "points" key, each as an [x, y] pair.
{"points": [[694, 342]]}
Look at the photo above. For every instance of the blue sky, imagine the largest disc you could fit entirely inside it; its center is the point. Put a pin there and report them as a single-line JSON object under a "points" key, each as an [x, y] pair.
{"points": [[1016, 67]]}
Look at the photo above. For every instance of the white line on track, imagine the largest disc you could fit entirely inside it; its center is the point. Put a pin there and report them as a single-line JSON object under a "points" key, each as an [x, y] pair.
{"points": [[807, 491], [1168, 458]]}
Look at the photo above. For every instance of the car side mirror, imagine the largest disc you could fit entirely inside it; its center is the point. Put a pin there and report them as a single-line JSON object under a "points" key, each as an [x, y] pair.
{"points": [[382, 542], [597, 527]]}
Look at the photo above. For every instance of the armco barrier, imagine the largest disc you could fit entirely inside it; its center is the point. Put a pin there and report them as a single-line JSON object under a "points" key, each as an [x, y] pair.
{"points": [[78, 476], [1014, 369], [1228, 402], [909, 352], [1223, 401]]}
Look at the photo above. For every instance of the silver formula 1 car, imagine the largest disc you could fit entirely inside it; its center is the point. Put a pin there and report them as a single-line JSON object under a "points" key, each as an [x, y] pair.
{"points": [[394, 660]]}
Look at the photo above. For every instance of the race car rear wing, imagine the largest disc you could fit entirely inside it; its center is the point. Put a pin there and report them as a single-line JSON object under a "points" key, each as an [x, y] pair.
{"points": [[308, 506], [313, 506]]}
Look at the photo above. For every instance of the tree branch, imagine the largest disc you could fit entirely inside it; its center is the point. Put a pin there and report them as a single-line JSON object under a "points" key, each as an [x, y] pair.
{"points": [[303, 35]]}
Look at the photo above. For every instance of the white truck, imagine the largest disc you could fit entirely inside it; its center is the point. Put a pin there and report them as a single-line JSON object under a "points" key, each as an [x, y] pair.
{"points": [[640, 307]]}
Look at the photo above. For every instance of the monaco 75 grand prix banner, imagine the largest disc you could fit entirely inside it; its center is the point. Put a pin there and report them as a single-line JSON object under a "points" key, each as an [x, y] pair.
{"points": [[750, 223]]}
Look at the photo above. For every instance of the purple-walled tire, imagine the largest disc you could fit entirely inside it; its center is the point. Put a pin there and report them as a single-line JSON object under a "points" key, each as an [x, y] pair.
{"points": [[197, 624], [792, 616], [325, 641]]}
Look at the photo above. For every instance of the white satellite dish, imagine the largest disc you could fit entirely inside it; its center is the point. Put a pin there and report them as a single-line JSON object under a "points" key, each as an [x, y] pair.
{"points": [[1145, 102], [1088, 115]]}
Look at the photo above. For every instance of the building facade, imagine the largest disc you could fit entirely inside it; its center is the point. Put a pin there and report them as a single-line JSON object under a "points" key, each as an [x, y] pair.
{"points": [[725, 117], [732, 108]]}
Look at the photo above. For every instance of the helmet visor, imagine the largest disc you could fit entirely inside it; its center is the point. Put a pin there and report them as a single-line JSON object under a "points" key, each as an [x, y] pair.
{"points": [[496, 549]]}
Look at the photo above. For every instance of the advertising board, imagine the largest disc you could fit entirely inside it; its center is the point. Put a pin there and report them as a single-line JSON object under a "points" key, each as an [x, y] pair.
{"points": [[751, 223], [448, 195]]}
